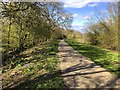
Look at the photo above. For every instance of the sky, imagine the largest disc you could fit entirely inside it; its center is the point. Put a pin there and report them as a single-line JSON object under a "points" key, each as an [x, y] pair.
{"points": [[83, 10]]}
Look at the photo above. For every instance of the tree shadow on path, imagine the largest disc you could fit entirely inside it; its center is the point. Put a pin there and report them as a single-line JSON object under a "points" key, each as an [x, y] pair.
{"points": [[49, 76]]}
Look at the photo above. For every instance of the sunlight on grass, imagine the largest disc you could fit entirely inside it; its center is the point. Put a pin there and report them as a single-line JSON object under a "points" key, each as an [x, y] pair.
{"points": [[31, 69], [102, 57]]}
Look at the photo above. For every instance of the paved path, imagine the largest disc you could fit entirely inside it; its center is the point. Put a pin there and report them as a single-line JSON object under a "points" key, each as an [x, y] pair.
{"points": [[80, 72]]}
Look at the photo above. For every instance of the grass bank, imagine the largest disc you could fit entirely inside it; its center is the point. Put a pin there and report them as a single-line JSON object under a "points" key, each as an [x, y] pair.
{"points": [[34, 68], [103, 57]]}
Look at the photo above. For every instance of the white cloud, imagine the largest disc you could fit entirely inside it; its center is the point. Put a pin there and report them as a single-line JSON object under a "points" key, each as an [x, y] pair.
{"points": [[77, 24], [76, 3], [75, 15], [92, 5], [79, 28], [80, 20], [83, 3], [81, 17], [87, 17], [92, 13]]}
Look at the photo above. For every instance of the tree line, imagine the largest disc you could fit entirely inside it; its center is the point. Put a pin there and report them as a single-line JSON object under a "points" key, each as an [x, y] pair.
{"points": [[103, 29], [25, 24]]}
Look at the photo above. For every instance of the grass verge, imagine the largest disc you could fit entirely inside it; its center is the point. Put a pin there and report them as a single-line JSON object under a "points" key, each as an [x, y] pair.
{"points": [[103, 57], [34, 68]]}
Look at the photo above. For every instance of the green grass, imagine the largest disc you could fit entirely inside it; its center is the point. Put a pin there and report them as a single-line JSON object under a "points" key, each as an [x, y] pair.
{"points": [[100, 56], [39, 70]]}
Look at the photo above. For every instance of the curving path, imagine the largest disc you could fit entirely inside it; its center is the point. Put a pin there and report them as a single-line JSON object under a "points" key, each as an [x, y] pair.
{"points": [[80, 72]]}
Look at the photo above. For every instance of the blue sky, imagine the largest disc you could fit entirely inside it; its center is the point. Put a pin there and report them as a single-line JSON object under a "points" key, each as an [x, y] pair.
{"points": [[83, 10]]}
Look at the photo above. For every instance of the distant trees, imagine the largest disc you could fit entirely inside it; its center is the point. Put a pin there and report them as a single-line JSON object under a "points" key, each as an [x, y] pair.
{"points": [[25, 24], [104, 31], [71, 34]]}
